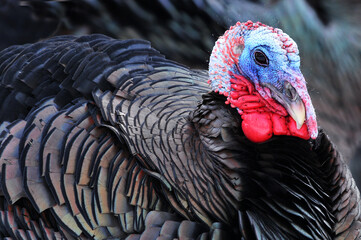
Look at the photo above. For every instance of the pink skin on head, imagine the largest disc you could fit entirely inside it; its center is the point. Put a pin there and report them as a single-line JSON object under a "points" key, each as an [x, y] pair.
{"points": [[262, 115]]}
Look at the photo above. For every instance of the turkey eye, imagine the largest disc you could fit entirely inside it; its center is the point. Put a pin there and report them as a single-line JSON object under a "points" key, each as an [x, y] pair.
{"points": [[260, 58]]}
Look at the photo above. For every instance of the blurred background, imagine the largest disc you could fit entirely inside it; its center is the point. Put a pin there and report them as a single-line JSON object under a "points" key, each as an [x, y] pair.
{"points": [[328, 33]]}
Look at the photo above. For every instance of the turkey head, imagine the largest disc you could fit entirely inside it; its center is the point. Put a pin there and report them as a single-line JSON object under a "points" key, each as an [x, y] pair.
{"points": [[257, 68]]}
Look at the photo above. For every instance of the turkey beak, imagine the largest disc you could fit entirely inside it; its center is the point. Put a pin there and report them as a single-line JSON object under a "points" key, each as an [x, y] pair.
{"points": [[297, 111], [293, 104], [291, 101]]}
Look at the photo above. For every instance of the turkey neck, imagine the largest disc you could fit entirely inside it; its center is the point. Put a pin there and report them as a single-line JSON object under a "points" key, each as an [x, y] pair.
{"points": [[269, 183]]}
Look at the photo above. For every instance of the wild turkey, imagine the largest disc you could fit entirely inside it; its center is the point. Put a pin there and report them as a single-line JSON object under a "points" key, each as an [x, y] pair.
{"points": [[185, 31], [103, 138]]}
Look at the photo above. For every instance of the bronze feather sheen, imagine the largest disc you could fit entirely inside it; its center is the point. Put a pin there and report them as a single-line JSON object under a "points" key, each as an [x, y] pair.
{"points": [[102, 138]]}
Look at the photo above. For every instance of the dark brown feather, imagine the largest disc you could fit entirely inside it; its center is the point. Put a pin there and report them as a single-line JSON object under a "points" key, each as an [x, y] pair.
{"points": [[126, 143]]}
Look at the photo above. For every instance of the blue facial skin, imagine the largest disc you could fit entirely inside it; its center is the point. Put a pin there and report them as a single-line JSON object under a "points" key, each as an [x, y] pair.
{"points": [[282, 66], [281, 80]]}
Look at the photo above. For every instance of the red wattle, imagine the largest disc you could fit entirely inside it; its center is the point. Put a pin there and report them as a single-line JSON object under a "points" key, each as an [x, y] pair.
{"points": [[279, 125], [261, 118], [301, 133], [257, 127]]}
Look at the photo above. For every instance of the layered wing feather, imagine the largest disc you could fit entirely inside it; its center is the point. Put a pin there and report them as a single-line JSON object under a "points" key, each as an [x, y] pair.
{"points": [[98, 133]]}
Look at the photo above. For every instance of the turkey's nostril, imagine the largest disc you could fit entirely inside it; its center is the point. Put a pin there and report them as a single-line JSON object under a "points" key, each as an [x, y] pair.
{"points": [[290, 92]]}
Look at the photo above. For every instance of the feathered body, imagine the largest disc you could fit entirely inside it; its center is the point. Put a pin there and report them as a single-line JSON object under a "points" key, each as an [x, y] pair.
{"points": [[188, 30], [102, 138]]}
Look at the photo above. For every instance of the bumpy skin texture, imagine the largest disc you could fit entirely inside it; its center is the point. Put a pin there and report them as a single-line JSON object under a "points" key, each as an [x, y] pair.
{"points": [[232, 64], [138, 135], [260, 119]]}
